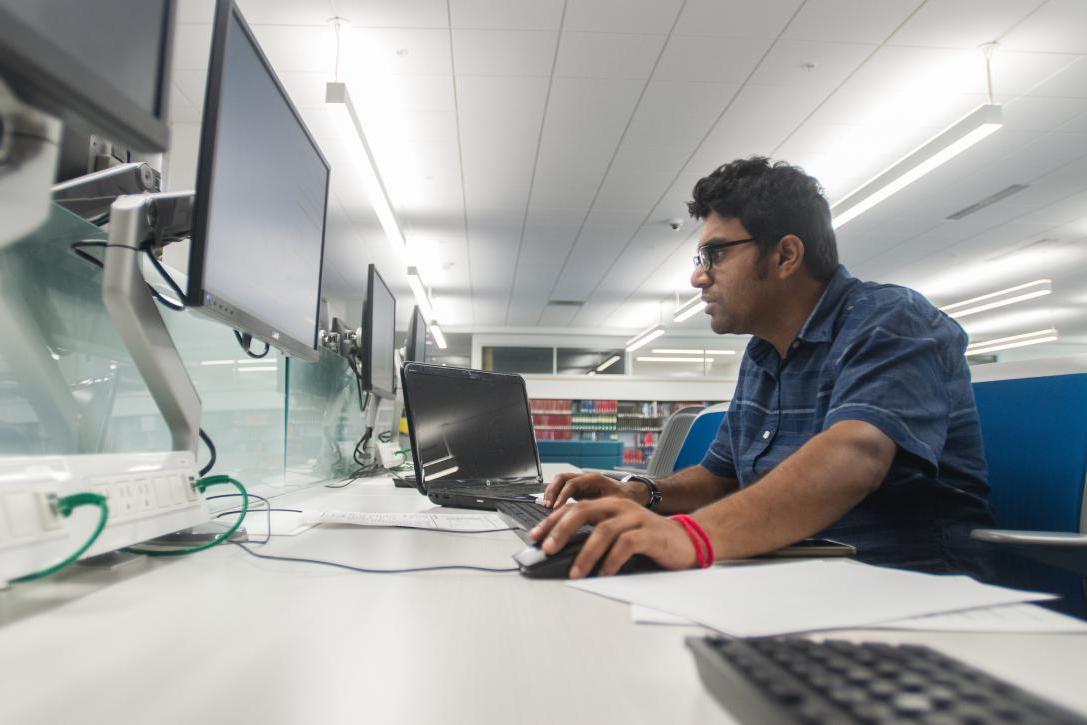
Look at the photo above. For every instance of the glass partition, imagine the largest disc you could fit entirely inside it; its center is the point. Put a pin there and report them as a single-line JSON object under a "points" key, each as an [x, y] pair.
{"points": [[67, 384]]}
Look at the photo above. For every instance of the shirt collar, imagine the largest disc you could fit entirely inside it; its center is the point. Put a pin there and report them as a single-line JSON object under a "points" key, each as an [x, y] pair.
{"points": [[819, 326]]}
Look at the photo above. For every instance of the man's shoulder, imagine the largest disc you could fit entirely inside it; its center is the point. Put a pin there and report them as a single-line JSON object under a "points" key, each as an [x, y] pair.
{"points": [[878, 304]]}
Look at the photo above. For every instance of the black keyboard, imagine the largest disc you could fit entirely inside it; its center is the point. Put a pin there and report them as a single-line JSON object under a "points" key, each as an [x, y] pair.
{"points": [[791, 680], [527, 514]]}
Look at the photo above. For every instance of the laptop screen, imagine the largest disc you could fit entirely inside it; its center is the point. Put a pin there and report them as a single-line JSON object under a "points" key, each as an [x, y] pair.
{"points": [[469, 425]]}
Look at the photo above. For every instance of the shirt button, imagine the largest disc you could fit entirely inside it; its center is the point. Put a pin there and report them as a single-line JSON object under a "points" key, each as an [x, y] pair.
{"points": [[796, 344], [765, 434]]}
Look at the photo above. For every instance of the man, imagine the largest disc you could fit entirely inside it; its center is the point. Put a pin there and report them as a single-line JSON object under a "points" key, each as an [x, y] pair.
{"points": [[853, 416]]}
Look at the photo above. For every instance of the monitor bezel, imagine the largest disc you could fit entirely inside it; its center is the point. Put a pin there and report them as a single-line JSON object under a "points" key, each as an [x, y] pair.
{"points": [[411, 351], [46, 76], [372, 276], [196, 293]]}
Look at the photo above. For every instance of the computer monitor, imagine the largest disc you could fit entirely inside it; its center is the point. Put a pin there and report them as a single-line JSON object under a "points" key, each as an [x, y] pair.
{"points": [[102, 66], [416, 348], [261, 195], [378, 337]]}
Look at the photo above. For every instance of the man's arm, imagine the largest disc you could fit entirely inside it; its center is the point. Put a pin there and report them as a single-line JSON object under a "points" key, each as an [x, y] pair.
{"points": [[807, 492], [682, 491]]}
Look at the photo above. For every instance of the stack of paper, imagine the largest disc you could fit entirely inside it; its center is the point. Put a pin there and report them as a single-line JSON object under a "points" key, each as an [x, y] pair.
{"points": [[764, 600], [435, 521]]}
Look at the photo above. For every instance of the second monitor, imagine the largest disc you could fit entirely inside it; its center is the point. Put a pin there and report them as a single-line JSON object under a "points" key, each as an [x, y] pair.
{"points": [[378, 337]]}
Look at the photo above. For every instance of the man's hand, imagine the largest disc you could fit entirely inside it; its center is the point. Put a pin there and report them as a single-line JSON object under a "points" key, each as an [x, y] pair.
{"points": [[622, 528], [580, 486]]}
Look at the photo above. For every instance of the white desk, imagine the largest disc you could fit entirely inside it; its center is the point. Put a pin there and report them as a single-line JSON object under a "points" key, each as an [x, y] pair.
{"points": [[224, 637]]}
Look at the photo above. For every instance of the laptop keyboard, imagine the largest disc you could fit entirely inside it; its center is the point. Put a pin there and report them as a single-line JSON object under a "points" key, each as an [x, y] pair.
{"points": [[793, 680], [501, 489], [528, 514]]}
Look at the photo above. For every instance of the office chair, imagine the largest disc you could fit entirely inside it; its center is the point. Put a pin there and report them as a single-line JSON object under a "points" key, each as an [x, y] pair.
{"points": [[670, 442]]}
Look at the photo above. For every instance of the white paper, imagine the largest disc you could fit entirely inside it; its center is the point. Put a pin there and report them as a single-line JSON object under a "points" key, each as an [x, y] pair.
{"points": [[1003, 618], [1006, 618], [284, 523], [452, 522], [763, 600]]}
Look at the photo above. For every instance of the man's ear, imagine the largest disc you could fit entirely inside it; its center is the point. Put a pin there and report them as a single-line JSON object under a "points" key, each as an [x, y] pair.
{"points": [[790, 256]]}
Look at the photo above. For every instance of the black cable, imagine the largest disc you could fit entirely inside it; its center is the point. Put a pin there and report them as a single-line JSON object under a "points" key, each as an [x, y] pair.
{"points": [[77, 249], [178, 306], [364, 570], [246, 341], [211, 449], [268, 508]]}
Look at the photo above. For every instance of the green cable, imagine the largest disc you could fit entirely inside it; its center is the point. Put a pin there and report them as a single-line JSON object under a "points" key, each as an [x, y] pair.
{"points": [[201, 486], [65, 506]]}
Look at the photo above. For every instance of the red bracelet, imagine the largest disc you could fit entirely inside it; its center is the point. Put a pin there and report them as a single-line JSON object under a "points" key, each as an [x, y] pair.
{"points": [[703, 549]]}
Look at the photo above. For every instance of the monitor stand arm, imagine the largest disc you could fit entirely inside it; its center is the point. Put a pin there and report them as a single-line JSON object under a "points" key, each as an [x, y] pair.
{"points": [[134, 220]]}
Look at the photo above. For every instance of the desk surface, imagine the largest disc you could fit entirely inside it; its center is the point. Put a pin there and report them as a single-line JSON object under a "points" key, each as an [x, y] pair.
{"points": [[224, 637]]}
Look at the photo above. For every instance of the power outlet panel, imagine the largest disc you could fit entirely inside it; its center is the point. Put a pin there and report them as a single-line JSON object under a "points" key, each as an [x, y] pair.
{"points": [[149, 495]]}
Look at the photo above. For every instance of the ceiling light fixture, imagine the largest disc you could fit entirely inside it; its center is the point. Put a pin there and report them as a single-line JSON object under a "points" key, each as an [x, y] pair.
{"points": [[608, 363], [689, 308], [699, 360], [1007, 343], [691, 351], [439, 338], [1000, 298], [644, 337], [984, 120], [415, 281]]}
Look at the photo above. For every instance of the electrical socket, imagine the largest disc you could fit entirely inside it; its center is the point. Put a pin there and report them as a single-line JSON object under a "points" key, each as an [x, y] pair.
{"points": [[387, 454], [149, 494]]}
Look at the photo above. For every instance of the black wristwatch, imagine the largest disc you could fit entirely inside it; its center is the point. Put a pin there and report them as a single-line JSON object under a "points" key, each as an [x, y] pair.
{"points": [[654, 492]]}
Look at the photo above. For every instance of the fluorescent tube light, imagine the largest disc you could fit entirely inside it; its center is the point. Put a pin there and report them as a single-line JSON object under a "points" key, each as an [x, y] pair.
{"points": [[1000, 298], [419, 290], [689, 308], [1007, 343], [699, 360], [439, 338], [691, 351], [944, 146], [643, 339], [217, 362], [267, 369], [343, 113], [608, 363]]}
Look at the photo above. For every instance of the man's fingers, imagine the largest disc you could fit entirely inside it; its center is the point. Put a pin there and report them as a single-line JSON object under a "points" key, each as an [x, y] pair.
{"points": [[603, 536], [553, 488], [627, 544]]}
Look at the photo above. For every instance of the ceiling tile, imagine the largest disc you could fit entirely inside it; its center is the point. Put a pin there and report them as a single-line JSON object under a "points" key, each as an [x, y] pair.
{"points": [[379, 52], [621, 16], [394, 13], [639, 176], [195, 11], [1071, 82], [962, 23], [287, 12], [789, 60], [192, 47], [693, 58], [849, 21], [736, 18], [504, 52], [506, 14], [598, 245], [677, 113], [298, 48], [1057, 27], [180, 110], [607, 55]]}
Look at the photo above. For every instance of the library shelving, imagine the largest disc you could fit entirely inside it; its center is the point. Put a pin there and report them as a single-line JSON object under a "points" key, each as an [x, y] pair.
{"points": [[637, 423]]}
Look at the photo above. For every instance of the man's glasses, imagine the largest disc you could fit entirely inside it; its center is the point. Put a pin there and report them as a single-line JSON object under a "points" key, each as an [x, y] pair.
{"points": [[709, 255]]}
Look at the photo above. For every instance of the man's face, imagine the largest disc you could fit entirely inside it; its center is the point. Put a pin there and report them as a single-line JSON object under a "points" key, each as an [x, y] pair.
{"points": [[734, 291]]}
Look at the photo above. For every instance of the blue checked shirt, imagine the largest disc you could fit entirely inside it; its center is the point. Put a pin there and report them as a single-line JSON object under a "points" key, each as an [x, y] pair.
{"points": [[884, 355]]}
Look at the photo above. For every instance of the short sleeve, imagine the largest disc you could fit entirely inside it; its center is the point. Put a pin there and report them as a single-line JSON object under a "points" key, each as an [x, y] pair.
{"points": [[719, 459], [891, 373]]}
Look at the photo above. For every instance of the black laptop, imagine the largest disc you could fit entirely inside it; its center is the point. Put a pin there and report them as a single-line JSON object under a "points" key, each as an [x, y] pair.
{"points": [[471, 433]]}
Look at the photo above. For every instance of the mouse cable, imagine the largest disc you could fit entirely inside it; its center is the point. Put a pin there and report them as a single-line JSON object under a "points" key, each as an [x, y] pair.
{"points": [[268, 508], [364, 570]]}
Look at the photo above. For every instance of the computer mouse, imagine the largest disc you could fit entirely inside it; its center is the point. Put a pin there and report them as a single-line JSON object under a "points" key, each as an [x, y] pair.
{"points": [[535, 564]]}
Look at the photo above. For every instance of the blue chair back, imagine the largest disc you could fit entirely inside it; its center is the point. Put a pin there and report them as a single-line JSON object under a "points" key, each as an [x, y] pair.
{"points": [[700, 436], [1035, 436]]}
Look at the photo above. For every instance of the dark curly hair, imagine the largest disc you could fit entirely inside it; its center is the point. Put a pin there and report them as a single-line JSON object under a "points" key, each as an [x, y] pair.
{"points": [[772, 200]]}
